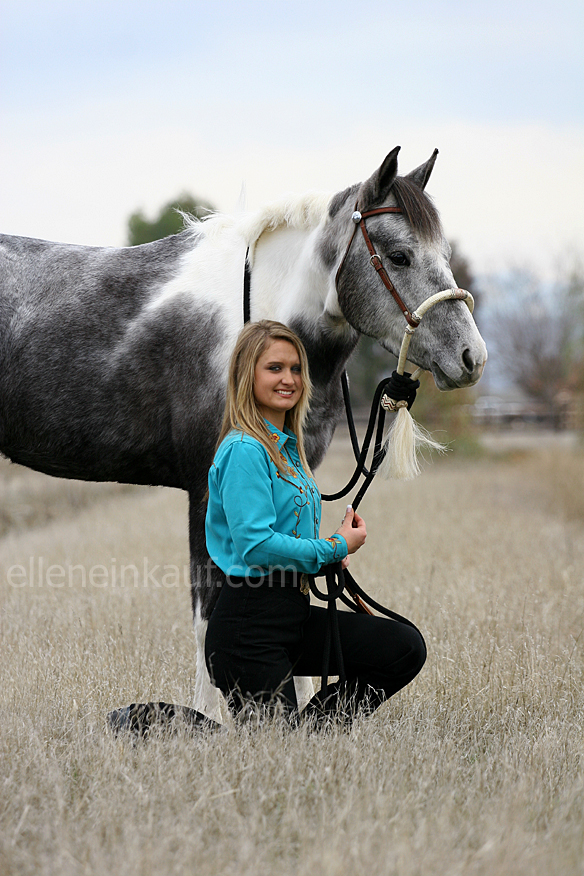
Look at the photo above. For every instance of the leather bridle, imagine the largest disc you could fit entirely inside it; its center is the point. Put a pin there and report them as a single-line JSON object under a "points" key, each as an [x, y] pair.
{"points": [[374, 259]]}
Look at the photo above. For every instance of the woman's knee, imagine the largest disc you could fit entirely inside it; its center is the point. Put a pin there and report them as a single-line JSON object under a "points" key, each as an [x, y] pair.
{"points": [[419, 651], [408, 654]]}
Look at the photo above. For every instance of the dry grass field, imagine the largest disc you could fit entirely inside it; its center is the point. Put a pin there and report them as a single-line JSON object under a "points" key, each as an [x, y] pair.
{"points": [[476, 768]]}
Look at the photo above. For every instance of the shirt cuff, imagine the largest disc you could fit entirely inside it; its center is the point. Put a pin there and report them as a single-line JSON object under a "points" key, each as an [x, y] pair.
{"points": [[340, 546]]}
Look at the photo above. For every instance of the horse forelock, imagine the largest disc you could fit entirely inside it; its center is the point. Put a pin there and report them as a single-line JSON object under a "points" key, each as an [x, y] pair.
{"points": [[418, 208]]}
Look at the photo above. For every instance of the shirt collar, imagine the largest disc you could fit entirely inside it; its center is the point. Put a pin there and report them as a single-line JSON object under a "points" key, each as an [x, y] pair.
{"points": [[280, 437]]}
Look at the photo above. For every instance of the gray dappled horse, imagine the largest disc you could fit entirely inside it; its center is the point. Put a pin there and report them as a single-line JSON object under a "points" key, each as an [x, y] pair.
{"points": [[113, 361]]}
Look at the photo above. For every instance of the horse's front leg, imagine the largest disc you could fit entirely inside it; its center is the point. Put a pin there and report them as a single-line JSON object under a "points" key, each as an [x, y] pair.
{"points": [[206, 581]]}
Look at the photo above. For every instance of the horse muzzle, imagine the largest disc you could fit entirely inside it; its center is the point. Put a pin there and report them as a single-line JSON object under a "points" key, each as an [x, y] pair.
{"points": [[468, 373]]}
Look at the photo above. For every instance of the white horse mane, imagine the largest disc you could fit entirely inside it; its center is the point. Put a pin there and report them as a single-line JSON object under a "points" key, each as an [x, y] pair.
{"points": [[304, 211]]}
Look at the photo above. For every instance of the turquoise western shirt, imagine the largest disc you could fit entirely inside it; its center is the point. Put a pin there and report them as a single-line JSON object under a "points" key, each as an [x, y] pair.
{"points": [[258, 519]]}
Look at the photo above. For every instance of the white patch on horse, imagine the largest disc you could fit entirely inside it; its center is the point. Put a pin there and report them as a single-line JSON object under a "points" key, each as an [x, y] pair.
{"points": [[207, 699], [213, 269]]}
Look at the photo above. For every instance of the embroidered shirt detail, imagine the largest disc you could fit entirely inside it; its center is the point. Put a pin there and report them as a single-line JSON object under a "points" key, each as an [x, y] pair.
{"points": [[336, 541], [288, 467]]}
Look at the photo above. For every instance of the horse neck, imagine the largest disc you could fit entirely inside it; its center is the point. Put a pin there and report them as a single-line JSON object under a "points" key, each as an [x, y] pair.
{"points": [[292, 284]]}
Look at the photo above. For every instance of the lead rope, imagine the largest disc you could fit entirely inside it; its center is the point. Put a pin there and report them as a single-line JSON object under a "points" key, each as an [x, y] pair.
{"points": [[401, 445], [339, 580]]}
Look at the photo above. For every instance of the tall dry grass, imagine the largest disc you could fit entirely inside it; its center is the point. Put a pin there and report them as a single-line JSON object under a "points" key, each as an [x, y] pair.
{"points": [[476, 768]]}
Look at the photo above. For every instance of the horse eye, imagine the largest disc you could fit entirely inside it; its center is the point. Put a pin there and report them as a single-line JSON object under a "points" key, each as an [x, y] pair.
{"points": [[400, 259]]}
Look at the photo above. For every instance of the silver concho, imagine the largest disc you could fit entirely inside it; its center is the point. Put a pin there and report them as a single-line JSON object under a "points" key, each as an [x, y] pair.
{"points": [[356, 217]]}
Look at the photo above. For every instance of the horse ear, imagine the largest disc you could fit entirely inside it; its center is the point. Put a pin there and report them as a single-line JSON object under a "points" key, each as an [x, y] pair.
{"points": [[421, 174], [375, 189]]}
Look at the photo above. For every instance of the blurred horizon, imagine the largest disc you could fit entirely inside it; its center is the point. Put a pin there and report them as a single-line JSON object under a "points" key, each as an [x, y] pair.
{"points": [[109, 108]]}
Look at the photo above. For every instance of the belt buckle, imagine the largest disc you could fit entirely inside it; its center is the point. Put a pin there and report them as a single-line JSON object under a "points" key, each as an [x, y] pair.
{"points": [[304, 584]]}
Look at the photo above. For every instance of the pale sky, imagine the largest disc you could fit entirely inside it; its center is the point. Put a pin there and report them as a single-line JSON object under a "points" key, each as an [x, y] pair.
{"points": [[108, 107]]}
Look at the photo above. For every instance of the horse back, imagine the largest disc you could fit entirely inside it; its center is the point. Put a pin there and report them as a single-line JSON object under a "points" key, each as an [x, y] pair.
{"points": [[94, 381], [37, 273]]}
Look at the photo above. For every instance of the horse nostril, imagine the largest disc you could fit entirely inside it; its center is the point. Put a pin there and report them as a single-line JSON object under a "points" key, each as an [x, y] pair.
{"points": [[468, 360]]}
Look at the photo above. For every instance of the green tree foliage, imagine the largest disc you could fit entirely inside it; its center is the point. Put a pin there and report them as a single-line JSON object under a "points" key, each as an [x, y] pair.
{"points": [[169, 219], [463, 274]]}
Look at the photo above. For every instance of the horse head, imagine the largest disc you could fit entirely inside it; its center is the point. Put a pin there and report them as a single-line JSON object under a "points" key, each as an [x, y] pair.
{"points": [[412, 249]]}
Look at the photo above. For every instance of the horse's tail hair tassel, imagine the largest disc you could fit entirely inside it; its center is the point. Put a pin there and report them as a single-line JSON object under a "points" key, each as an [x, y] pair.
{"points": [[403, 441]]}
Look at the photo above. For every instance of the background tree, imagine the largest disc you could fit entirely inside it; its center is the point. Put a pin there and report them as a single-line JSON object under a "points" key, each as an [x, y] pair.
{"points": [[537, 336], [169, 220], [463, 274]]}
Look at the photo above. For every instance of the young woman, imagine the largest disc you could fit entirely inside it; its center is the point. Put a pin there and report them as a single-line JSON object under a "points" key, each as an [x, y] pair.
{"points": [[262, 530]]}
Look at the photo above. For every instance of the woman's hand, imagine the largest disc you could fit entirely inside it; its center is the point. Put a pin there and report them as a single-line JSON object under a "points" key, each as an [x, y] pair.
{"points": [[353, 530], [345, 562]]}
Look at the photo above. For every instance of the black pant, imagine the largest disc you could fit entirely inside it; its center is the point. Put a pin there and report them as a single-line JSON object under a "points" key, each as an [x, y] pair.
{"points": [[259, 637]]}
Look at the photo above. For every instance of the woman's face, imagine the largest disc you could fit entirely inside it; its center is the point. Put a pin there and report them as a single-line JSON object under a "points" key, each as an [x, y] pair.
{"points": [[277, 381]]}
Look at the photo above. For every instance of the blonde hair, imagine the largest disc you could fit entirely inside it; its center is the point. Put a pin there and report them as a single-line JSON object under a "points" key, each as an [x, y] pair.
{"points": [[241, 411]]}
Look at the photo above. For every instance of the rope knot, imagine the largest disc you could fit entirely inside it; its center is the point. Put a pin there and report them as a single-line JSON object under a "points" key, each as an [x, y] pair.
{"points": [[391, 405], [400, 391]]}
